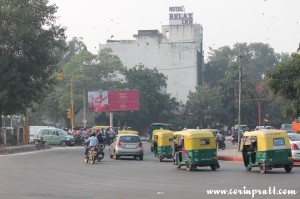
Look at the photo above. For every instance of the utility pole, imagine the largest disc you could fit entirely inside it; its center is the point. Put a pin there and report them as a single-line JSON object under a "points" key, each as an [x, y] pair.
{"points": [[240, 97], [72, 104]]}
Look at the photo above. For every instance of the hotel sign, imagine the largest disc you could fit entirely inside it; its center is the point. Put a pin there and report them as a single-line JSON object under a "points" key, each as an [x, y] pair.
{"points": [[178, 16]]}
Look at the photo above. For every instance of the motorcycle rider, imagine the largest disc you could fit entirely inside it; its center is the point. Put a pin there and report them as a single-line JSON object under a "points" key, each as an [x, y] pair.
{"points": [[234, 137], [93, 142], [220, 139]]}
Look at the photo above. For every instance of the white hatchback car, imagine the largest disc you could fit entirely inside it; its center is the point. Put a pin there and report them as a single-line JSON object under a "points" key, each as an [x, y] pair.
{"points": [[295, 145], [126, 145]]}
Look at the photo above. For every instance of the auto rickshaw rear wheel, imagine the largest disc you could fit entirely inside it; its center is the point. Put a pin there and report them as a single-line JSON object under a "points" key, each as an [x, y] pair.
{"points": [[263, 168], [160, 159], [189, 167], [213, 167], [288, 168], [248, 168]]}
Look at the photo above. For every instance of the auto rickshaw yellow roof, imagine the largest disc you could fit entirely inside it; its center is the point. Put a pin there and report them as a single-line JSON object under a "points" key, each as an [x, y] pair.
{"points": [[265, 133], [163, 133], [195, 133]]}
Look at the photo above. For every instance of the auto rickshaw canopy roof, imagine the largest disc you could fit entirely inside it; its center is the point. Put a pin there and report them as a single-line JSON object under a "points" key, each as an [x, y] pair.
{"points": [[264, 133], [267, 139], [162, 132], [194, 133]]}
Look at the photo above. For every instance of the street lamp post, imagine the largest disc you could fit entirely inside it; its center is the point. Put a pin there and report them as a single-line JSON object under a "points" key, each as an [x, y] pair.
{"points": [[84, 103]]}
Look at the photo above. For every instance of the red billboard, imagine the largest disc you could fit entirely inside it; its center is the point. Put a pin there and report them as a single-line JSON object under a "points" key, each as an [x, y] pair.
{"points": [[109, 101]]}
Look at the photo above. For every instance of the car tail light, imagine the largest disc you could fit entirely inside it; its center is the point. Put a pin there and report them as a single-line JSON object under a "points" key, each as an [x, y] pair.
{"points": [[294, 146], [140, 145]]}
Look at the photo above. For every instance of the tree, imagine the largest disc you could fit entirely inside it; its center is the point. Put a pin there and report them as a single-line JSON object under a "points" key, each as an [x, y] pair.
{"points": [[285, 82], [222, 74], [204, 104], [30, 46], [103, 71]]}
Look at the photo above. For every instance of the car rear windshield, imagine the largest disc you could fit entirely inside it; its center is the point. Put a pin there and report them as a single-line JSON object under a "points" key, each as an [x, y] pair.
{"points": [[295, 137], [130, 139]]}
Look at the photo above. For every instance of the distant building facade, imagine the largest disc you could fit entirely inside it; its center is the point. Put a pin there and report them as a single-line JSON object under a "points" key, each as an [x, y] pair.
{"points": [[176, 52]]}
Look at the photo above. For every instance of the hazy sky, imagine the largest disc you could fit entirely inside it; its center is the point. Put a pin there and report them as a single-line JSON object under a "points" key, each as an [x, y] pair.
{"points": [[225, 22]]}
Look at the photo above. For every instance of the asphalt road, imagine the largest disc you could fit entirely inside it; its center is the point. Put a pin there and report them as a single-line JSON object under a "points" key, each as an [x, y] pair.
{"points": [[60, 173]]}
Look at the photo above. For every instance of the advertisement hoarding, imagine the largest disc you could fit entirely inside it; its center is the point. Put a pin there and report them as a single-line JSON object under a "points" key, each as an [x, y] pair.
{"points": [[109, 101]]}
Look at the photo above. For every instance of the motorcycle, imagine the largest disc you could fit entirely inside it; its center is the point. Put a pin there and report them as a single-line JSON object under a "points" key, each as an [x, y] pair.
{"points": [[95, 153], [79, 140], [40, 144], [234, 139], [221, 144]]}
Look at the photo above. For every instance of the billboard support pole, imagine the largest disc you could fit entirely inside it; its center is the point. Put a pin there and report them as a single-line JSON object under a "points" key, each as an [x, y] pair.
{"points": [[111, 119]]}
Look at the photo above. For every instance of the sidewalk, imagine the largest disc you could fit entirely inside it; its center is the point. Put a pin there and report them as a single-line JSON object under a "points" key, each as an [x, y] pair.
{"points": [[4, 150], [230, 155]]}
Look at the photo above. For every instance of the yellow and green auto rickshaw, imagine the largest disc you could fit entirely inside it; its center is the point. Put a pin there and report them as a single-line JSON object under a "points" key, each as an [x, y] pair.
{"points": [[195, 148], [128, 132], [152, 142], [162, 144], [267, 149]]}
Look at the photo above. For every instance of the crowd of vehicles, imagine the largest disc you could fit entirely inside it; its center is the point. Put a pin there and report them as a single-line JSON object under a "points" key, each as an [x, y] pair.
{"points": [[265, 147]]}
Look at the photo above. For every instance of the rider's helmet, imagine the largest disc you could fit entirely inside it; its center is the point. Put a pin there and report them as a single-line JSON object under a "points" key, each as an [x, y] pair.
{"points": [[93, 134]]}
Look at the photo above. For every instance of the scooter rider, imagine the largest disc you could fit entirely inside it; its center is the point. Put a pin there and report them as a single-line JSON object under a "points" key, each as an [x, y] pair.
{"points": [[93, 142]]}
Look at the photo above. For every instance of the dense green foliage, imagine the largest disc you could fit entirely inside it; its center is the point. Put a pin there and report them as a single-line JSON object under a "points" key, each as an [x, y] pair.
{"points": [[30, 47], [285, 81], [217, 103]]}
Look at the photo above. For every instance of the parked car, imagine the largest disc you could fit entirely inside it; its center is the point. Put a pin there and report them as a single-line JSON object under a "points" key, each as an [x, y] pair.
{"points": [[126, 145], [295, 145], [56, 136], [34, 132], [287, 127]]}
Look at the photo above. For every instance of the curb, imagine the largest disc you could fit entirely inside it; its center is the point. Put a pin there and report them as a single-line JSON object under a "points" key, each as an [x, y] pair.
{"points": [[230, 158], [5, 151]]}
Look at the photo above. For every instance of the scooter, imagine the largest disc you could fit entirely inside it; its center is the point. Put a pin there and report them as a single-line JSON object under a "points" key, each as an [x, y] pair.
{"points": [[95, 153]]}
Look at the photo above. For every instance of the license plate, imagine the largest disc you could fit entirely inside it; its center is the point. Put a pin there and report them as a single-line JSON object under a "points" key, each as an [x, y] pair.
{"points": [[130, 146]]}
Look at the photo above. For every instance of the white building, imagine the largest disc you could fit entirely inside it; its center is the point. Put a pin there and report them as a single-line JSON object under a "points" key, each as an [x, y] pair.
{"points": [[176, 52]]}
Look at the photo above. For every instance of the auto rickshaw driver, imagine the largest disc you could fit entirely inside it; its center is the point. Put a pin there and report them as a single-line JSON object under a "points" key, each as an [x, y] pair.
{"points": [[178, 150]]}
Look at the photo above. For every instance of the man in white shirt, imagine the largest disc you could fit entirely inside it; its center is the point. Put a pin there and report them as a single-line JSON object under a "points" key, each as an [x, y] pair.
{"points": [[93, 142]]}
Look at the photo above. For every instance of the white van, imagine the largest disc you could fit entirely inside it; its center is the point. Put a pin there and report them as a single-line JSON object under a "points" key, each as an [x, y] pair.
{"points": [[34, 132]]}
